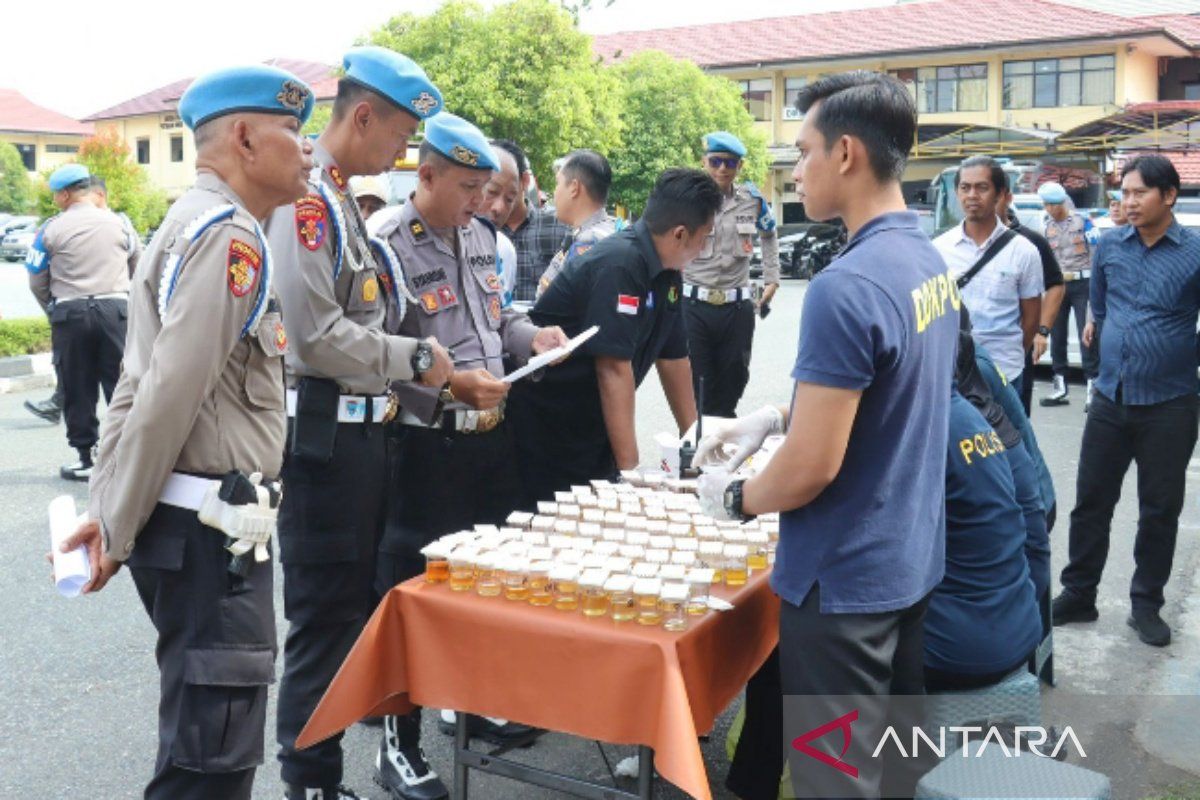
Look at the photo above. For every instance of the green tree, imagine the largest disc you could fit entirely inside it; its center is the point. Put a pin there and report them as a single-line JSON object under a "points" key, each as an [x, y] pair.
{"points": [[520, 71], [667, 108], [17, 194], [320, 118], [129, 189]]}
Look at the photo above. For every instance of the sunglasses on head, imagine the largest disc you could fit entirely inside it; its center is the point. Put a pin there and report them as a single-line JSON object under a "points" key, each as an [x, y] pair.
{"points": [[729, 162]]}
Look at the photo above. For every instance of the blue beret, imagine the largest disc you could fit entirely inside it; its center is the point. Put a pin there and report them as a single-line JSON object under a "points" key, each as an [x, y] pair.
{"points": [[258, 88], [397, 77], [68, 175], [460, 141], [724, 142], [1052, 192]]}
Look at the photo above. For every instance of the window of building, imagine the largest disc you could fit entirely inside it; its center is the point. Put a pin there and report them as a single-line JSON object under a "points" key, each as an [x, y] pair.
{"points": [[28, 156], [757, 94], [1191, 91], [940, 89], [791, 88], [62, 148], [1057, 82], [143, 151], [177, 148]]}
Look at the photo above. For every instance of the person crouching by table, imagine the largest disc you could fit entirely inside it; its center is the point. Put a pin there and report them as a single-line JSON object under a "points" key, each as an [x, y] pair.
{"points": [[577, 423], [982, 622], [450, 453]]}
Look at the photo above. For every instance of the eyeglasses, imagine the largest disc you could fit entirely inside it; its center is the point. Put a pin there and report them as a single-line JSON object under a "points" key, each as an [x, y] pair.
{"points": [[716, 162]]}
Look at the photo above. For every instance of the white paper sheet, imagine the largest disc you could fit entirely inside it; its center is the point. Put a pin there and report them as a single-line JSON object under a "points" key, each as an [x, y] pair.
{"points": [[550, 356], [72, 570]]}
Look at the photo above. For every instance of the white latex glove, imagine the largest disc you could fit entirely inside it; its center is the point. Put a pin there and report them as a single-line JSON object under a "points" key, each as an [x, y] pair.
{"points": [[743, 437], [710, 486]]}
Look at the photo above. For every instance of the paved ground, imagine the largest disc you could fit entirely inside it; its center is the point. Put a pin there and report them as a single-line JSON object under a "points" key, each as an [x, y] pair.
{"points": [[80, 684], [15, 299]]}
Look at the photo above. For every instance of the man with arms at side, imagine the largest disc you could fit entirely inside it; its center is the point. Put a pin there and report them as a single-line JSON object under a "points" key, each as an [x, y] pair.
{"points": [[998, 272], [861, 475], [200, 402], [1145, 297], [577, 423], [1072, 236], [1052, 294], [718, 305]]}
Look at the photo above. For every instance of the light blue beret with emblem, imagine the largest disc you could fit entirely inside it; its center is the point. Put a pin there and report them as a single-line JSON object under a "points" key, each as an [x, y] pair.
{"points": [[258, 88], [460, 142], [1052, 192], [67, 176], [397, 77], [724, 142]]}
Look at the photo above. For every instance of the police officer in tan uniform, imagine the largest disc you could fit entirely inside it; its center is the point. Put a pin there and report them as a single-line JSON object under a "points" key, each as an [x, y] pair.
{"points": [[79, 267], [581, 182], [451, 455], [338, 370], [718, 303], [195, 431]]}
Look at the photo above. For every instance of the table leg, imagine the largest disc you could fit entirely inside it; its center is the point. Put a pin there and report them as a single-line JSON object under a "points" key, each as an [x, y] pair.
{"points": [[645, 772], [461, 743]]}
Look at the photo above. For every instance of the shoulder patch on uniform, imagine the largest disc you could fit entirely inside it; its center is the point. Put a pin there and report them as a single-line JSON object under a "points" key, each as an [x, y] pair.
{"points": [[312, 221], [244, 265], [417, 229], [494, 308], [628, 304]]}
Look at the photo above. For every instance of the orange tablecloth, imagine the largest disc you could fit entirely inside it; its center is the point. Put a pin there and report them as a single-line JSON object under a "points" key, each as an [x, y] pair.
{"points": [[621, 683]]}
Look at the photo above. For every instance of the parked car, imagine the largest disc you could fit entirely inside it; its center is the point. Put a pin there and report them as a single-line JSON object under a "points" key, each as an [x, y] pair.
{"points": [[18, 222], [15, 243]]}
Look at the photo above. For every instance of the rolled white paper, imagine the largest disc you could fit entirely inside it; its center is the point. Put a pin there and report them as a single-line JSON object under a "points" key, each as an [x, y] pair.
{"points": [[72, 570]]}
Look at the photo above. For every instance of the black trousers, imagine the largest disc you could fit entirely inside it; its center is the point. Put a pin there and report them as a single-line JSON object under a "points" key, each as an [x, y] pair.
{"points": [[1075, 299], [719, 343], [1026, 390], [215, 653], [825, 658], [757, 765], [330, 522], [1160, 438], [560, 436], [440, 482], [89, 341]]}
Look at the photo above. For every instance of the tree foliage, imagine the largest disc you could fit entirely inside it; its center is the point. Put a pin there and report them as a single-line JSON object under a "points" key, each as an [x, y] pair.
{"points": [[17, 194], [129, 189], [521, 70], [668, 107]]}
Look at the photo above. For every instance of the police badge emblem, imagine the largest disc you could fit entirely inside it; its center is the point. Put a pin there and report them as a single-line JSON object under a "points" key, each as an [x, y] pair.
{"points": [[292, 96], [312, 221], [464, 155], [243, 265], [424, 103]]}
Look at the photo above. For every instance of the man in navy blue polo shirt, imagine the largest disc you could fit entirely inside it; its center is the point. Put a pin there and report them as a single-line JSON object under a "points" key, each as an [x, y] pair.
{"points": [[861, 475], [1145, 297]]}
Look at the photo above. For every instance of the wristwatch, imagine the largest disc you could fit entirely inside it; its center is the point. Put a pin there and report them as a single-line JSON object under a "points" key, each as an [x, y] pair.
{"points": [[733, 501], [422, 359], [1043, 330]]}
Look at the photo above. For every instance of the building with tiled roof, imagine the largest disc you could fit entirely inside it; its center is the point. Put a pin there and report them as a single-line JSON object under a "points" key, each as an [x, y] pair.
{"points": [[44, 138], [156, 137], [997, 76]]}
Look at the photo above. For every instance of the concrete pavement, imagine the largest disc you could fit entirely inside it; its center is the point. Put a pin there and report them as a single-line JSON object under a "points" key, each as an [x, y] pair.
{"points": [[80, 683]]}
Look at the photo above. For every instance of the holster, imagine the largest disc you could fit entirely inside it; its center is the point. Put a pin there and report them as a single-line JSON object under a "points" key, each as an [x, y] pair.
{"points": [[314, 428]]}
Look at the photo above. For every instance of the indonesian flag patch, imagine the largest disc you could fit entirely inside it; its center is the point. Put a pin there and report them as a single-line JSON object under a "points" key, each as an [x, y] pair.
{"points": [[244, 264], [628, 304]]}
